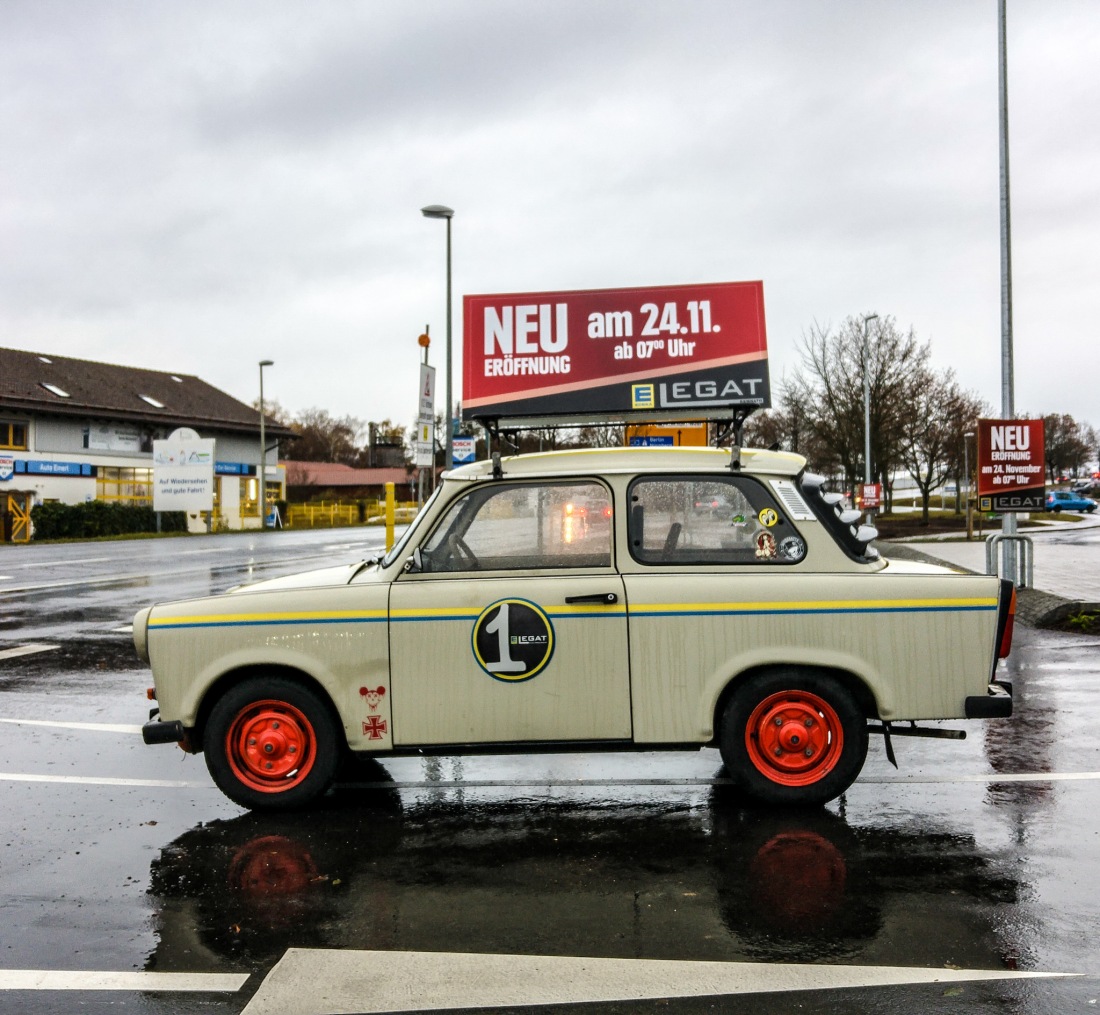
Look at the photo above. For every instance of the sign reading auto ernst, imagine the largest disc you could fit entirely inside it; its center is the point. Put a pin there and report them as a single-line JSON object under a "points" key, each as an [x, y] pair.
{"points": [[1011, 465], [656, 352]]}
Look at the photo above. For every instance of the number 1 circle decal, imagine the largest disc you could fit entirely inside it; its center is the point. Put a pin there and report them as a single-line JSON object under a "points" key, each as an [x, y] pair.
{"points": [[513, 640]]}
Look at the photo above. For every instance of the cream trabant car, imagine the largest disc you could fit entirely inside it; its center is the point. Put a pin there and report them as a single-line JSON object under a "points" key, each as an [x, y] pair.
{"points": [[632, 599]]}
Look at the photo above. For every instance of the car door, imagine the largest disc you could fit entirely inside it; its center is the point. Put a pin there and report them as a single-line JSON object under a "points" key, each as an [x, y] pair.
{"points": [[513, 628]]}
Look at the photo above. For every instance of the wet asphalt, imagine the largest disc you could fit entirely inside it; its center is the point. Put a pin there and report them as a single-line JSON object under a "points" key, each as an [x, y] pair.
{"points": [[974, 855]]}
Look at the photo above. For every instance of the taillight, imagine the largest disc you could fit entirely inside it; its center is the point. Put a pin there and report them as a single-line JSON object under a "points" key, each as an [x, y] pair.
{"points": [[1008, 620]]}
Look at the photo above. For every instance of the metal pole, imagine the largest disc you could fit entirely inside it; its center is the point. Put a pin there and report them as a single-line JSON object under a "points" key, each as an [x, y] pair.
{"points": [[261, 471], [449, 457], [966, 485], [440, 211], [867, 410], [1008, 408]]}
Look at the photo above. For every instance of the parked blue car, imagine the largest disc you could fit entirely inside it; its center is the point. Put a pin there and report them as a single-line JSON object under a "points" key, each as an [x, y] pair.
{"points": [[1066, 500]]}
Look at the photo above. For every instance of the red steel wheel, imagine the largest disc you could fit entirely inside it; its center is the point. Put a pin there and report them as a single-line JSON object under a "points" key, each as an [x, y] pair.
{"points": [[272, 743], [271, 746], [792, 736]]}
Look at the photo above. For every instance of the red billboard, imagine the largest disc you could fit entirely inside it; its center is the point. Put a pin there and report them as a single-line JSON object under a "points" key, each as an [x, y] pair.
{"points": [[653, 352], [1011, 465]]}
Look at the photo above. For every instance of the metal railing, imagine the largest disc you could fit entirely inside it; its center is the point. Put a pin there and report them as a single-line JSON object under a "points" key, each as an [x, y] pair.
{"points": [[1023, 562]]}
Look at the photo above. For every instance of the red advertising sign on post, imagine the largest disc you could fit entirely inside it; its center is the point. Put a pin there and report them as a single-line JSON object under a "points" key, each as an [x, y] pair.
{"points": [[661, 352], [870, 495], [1011, 465]]}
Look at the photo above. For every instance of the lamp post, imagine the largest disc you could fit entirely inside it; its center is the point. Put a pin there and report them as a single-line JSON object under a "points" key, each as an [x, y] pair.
{"points": [[867, 409], [261, 472], [440, 211]]}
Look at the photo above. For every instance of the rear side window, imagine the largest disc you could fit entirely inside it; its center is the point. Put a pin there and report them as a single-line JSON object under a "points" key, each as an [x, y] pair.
{"points": [[688, 520]]}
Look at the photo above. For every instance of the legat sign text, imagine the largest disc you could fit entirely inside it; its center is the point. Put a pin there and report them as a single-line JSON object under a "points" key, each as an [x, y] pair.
{"points": [[616, 352]]}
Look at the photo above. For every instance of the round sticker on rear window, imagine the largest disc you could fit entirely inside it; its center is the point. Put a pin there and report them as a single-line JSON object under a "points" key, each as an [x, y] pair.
{"points": [[513, 640], [792, 548], [768, 517]]}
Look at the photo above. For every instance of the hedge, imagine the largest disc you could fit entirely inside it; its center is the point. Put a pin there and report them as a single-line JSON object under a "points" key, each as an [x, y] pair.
{"points": [[100, 518]]}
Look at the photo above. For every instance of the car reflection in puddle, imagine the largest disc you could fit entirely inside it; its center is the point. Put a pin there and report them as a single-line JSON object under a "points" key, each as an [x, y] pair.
{"points": [[713, 882]]}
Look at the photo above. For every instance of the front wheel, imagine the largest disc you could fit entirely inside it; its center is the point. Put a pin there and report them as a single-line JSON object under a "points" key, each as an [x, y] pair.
{"points": [[272, 744], [793, 737]]}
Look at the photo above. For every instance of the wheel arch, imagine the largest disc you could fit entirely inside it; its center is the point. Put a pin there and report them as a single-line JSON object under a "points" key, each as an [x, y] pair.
{"points": [[853, 684], [248, 671]]}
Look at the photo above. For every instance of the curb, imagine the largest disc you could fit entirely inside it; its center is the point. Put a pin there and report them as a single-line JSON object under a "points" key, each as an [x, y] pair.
{"points": [[1034, 608]]}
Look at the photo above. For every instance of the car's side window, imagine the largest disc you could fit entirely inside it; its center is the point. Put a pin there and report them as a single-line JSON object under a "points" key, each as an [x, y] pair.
{"points": [[531, 526], [686, 520]]}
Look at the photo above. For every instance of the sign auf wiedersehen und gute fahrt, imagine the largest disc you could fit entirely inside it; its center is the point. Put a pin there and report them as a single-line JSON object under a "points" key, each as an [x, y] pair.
{"points": [[183, 472]]}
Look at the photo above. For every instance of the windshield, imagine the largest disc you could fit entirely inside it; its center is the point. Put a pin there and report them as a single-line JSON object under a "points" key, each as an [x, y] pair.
{"points": [[399, 546]]}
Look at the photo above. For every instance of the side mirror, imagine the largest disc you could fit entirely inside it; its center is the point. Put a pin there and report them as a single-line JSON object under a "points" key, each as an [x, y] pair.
{"points": [[415, 562]]}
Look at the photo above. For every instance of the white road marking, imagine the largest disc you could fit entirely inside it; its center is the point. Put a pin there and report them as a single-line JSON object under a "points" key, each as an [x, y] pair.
{"points": [[582, 783], [99, 727], [306, 981], [65, 563], [56, 979], [30, 649], [549, 783], [92, 780]]}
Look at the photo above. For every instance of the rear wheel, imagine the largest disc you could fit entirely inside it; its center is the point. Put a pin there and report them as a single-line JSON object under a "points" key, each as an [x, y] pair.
{"points": [[793, 737], [272, 744]]}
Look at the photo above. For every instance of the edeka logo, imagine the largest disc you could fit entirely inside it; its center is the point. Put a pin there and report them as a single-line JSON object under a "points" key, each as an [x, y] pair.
{"points": [[513, 640], [641, 396]]}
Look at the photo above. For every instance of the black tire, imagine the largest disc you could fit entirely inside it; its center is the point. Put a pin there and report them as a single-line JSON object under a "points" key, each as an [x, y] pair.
{"points": [[793, 737], [272, 744]]}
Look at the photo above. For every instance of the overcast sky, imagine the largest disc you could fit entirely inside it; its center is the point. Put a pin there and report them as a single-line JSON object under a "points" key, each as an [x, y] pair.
{"points": [[197, 186]]}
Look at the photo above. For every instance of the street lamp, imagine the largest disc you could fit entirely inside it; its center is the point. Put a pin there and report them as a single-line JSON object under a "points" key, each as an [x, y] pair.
{"points": [[261, 473], [441, 211], [867, 409]]}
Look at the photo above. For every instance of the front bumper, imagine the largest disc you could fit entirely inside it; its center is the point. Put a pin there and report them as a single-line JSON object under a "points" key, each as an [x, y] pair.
{"points": [[996, 703]]}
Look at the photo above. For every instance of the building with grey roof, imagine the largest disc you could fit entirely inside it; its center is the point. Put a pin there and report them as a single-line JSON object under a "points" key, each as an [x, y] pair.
{"points": [[75, 430]]}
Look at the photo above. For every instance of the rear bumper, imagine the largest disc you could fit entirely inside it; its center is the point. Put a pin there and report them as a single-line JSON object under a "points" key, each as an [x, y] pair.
{"points": [[996, 703], [155, 731]]}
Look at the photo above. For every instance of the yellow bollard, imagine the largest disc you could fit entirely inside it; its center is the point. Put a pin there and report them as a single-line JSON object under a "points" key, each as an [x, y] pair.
{"points": [[389, 516]]}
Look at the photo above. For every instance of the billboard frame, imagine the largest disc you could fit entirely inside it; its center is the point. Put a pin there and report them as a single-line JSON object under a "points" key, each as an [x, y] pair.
{"points": [[669, 381]]}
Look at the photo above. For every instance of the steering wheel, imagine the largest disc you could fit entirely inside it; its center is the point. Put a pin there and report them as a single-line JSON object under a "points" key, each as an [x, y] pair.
{"points": [[462, 554]]}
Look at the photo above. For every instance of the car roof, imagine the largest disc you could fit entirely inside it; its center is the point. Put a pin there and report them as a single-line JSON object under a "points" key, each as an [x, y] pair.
{"points": [[635, 460]]}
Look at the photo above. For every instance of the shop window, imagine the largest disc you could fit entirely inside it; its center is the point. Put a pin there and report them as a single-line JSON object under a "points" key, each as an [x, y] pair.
{"points": [[124, 486], [249, 507]]}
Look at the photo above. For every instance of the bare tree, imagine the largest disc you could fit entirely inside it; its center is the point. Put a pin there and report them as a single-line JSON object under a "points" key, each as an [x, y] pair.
{"points": [[930, 433], [964, 412], [1067, 447], [828, 388], [320, 437]]}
